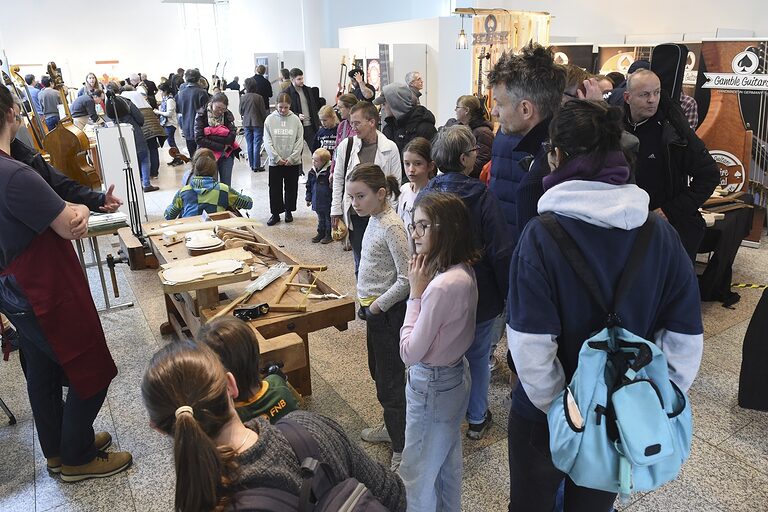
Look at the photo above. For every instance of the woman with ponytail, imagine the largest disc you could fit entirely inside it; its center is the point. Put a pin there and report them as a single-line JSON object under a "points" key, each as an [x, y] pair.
{"points": [[189, 396], [551, 313]]}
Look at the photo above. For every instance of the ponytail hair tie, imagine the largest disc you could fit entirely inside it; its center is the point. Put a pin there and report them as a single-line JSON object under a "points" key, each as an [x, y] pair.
{"points": [[184, 409]]}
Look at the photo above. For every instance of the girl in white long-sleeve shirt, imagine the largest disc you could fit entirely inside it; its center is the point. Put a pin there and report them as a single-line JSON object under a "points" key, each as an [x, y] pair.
{"points": [[438, 329]]}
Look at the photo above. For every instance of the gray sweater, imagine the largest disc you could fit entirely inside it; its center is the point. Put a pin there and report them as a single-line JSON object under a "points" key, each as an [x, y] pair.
{"points": [[383, 272], [283, 138], [272, 463]]}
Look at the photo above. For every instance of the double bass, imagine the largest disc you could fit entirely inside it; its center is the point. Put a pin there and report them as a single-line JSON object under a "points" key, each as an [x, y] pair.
{"points": [[67, 144]]}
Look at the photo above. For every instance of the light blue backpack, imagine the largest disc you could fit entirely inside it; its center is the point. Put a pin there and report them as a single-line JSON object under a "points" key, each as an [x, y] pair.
{"points": [[621, 425]]}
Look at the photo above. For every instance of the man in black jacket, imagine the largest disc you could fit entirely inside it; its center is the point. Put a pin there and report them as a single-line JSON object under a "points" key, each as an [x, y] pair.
{"points": [[189, 100], [263, 87], [305, 103], [670, 153], [404, 120]]}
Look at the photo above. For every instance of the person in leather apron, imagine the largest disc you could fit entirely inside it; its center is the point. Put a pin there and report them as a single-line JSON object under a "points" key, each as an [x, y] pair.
{"points": [[44, 294]]}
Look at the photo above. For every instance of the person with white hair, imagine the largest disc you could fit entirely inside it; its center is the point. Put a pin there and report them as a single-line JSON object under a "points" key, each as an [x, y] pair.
{"points": [[415, 81]]}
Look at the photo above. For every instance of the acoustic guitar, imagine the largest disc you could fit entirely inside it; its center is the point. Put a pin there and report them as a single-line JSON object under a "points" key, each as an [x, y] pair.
{"points": [[67, 144]]}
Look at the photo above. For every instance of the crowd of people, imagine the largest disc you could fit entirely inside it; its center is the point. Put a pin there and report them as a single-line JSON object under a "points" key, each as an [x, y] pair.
{"points": [[450, 252]]}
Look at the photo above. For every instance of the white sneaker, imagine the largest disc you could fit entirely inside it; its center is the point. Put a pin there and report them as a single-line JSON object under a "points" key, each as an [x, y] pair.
{"points": [[377, 434], [397, 458]]}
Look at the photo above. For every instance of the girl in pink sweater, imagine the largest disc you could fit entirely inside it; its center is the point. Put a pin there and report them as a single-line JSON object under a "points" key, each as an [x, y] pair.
{"points": [[438, 329]]}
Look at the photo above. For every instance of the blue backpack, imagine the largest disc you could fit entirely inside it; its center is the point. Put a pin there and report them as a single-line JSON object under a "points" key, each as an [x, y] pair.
{"points": [[621, 425]]}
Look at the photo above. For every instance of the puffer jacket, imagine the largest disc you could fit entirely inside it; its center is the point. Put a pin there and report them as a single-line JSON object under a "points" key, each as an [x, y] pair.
{"points": [[511, 158]]}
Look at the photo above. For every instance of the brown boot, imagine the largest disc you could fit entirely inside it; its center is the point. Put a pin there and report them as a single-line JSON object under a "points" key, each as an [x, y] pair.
{"points": [[101, 440], [105, 464]]}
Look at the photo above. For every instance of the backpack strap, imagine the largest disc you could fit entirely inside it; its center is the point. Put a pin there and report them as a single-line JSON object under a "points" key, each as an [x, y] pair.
{"points": [[347, 155], [579, 265], [316, 475], [575, 258]]}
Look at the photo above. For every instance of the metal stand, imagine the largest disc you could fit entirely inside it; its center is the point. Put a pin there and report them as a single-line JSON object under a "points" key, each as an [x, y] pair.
{"points": [[99, 265]]}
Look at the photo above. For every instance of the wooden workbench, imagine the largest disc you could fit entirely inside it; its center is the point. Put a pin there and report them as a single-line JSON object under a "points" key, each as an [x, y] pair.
{"points": [[187, 311]]}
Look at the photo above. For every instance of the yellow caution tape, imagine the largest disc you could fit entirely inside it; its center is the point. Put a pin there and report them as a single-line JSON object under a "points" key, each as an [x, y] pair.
{"points": [[749, 285]]}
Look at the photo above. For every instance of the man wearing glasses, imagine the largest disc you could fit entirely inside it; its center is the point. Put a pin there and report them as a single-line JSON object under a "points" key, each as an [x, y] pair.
{"points": [[670, 153], [416, 83]]}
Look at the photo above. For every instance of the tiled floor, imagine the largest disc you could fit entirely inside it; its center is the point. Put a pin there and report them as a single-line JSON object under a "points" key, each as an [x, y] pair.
{"points": [[727, 471]]}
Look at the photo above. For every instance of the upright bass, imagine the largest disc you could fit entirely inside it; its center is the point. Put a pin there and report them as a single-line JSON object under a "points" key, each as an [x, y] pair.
{"points": [[67, 144]]}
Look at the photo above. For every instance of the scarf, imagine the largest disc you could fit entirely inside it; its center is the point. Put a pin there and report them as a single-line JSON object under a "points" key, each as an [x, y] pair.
{"points": [[214, 121], [614, 170]]}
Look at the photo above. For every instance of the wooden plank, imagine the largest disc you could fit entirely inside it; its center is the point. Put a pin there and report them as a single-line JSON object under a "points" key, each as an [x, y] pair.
{"points": [[228, 254], [155, 229]]}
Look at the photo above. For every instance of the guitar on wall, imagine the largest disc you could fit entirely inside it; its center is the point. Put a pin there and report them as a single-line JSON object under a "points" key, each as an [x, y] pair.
{"points": [[342, 77], [484, 98]]}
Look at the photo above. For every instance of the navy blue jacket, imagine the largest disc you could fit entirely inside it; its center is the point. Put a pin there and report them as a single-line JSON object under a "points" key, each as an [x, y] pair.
{"points": [[511, 157], [490, 233], [546, 297], [319, 189], [188, 101]]}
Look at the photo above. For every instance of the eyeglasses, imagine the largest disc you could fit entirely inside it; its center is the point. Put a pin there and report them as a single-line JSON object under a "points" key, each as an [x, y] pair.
{"points": [[571, 95], [473, 148], [461, 106], [419, 228]]}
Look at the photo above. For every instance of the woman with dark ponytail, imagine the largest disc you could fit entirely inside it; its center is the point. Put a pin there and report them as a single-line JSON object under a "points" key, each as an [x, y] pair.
{"points": [[589, 196], [189, 396]]}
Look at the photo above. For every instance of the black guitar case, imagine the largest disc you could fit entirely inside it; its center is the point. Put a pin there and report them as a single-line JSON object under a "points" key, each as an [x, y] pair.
{"points": [[668, 62], [753, 381]]}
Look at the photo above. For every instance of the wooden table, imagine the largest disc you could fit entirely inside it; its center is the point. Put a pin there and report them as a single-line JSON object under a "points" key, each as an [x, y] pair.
{"points": [[187, 311]]}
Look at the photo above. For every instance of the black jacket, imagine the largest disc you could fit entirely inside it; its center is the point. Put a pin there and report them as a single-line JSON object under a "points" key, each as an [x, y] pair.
{"points": [[483, 132], [417, 122], [188, 101], [264, 88], [313, 100], [686, 156], [67, 188], [214, 142]]}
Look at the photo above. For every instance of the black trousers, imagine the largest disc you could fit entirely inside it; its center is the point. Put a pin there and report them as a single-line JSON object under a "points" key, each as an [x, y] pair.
{"points": [[154, 156], [387, 369], [280, 175], [356, 236], [191, 147], [64, 428], [309, 136], [533, 479]]}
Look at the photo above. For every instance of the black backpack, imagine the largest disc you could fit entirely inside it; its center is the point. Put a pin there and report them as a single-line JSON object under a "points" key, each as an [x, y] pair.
{"points": [[319, 491]]}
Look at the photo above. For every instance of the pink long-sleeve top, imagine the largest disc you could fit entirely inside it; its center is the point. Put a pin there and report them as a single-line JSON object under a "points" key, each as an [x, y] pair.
{"points": [[439, 328]]}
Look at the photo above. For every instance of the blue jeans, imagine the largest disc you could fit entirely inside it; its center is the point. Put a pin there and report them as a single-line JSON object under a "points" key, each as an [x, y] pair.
{"points": [[478, 355], [170, 133], [51, 122], [225, 165], [253, 138], [324, 223], [436, 398], [145, 164]]}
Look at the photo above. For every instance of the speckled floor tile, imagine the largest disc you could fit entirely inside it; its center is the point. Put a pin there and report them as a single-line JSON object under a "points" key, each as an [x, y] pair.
{"points": [[152, 481], [17, 469], [713, 398], [485, 486]]}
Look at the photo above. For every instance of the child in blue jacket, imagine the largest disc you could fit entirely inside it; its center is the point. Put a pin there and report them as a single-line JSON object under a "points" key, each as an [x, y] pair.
{"points": [[319, 194]]}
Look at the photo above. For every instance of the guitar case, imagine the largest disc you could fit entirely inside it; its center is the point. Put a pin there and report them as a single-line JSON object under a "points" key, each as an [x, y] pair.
{"points": [[668, 62], [753, 381]]}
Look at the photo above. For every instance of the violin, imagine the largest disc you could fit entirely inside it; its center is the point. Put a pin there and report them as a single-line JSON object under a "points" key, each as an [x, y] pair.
{"points": [[31, 117], [67, 144]]}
